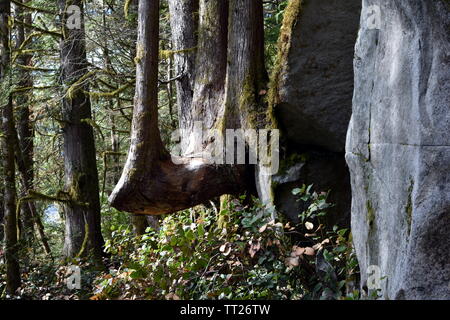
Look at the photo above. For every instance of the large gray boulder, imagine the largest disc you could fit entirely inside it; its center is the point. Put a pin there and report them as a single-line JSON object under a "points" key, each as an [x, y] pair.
{"points": [[326, 172], [398, 148], [314, 81]]}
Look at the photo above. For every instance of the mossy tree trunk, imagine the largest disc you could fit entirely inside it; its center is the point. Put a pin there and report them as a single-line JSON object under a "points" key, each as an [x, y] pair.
{"points": [[2, 204], [9, 169], [229, 73], [139, 223], [82, 232], [211, 70], [246, 73], [114, 137], [24, 126], [2, 212], [29, 207]]}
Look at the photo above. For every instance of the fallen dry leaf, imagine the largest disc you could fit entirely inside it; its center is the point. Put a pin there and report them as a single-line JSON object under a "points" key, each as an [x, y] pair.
{"points": [[298, 251], [293, 262], [225, 249], [309, 251], [254, 248]]}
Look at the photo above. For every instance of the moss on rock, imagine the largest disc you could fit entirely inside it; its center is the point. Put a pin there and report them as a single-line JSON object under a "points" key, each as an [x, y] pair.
{"points": [[290, 17]]}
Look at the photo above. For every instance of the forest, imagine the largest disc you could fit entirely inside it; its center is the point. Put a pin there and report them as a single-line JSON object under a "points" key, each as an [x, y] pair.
{"points": [[224, 150]]}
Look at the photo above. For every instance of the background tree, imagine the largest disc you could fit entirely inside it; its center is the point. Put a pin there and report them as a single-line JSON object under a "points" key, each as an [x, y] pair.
{"points": [[2, 205], [82, 212], [24, 125], [9, 170]]}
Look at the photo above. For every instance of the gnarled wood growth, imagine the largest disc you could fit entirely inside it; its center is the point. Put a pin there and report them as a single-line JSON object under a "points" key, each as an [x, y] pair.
{"points": [[229, 64]]}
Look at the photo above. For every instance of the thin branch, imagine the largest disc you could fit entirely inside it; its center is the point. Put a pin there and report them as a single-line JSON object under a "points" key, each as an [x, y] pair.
{"points": [[18, 3], [51, 33]]}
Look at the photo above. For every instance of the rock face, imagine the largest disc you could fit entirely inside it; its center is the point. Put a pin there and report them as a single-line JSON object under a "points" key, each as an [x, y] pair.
{"points": [[398, 147], [316, 85], [314, 80]]}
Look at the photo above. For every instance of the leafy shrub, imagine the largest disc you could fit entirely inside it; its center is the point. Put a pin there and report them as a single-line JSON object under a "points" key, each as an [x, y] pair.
{"points": [[241, 252]]}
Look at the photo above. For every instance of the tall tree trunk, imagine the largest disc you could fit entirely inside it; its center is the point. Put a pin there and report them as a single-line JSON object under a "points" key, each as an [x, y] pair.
{"points": [[24, 127], [2, 207], [114, 138], [8, 130], [82, 232], [226, 96], [246, 73], [2, 204], [184, 23], [28, 186], [209, 95], [246, 85], [24, 139], [138, 221]]}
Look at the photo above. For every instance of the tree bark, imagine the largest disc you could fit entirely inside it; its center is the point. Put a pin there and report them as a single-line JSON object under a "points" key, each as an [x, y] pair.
{"points": [[209, 89], [114, 137], [28, 186], [24, 127], [139, 223], [246, 73], [151, 182], [2, 196], [2, 204], [184, 23], [82, 232], [8, 130]]}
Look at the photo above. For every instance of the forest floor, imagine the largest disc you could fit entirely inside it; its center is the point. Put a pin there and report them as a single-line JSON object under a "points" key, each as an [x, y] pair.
{"points": [[238, 252]]}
